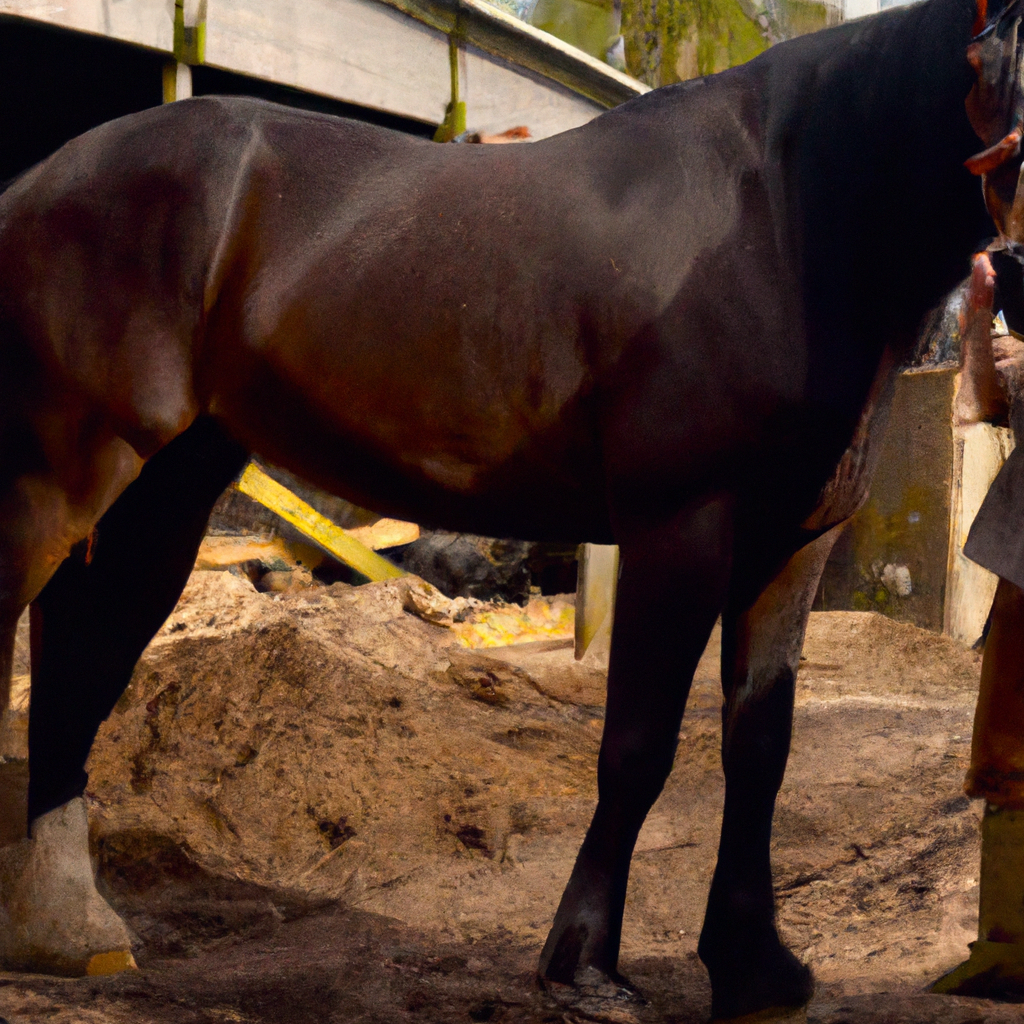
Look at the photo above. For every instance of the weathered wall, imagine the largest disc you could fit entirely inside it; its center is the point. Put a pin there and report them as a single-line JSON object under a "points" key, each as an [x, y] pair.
{"points": [[979, 452], [673, 40], [892, 558]]}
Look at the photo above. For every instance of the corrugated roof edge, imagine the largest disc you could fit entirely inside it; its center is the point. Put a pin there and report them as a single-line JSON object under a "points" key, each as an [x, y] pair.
{"points": [[502, 35]]}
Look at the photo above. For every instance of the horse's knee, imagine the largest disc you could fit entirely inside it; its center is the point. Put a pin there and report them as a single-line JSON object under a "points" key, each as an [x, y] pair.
{"points": [[633, 769]]}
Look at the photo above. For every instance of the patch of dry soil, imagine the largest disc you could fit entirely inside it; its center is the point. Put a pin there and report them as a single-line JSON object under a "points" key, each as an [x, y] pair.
{"points": [[316, 806]]}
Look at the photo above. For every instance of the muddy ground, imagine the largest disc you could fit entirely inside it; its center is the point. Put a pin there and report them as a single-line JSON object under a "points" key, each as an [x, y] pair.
{"points": [[319, 807]]}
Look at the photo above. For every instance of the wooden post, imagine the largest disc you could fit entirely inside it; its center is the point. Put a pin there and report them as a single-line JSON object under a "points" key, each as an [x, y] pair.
{"points": [[189, 48], [454, 122], [177, 81], [978, 454], [597, 580]]}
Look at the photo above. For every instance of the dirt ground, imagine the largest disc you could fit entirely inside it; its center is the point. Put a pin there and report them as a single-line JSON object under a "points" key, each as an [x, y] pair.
{"points": [[319, 807]]}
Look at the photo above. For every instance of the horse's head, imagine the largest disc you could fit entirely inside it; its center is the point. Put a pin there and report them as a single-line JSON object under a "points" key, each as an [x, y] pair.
{"points": [[995, 107]]}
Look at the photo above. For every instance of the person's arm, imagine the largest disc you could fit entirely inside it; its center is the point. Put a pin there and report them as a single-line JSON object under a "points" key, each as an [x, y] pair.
{"points": [[980, 398]]}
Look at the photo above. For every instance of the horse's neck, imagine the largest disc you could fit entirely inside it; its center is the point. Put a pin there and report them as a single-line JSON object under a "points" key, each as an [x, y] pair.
{"points": [[890, 229]]}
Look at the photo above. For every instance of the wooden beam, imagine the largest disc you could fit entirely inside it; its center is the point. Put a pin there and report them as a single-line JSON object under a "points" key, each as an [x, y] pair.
{"points": [[358, 51], [142, 22], [390, 55], [498, 33], [291, 508]]}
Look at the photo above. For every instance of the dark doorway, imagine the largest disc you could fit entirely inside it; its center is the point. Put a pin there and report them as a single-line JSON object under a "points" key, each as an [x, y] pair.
{"points": [[58, 84]]}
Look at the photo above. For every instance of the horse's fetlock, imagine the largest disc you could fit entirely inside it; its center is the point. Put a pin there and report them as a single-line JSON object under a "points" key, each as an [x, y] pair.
{"points": [[563, 961]]}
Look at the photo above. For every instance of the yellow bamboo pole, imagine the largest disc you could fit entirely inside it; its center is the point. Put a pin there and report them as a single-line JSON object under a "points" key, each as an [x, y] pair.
{"points": [[597, 581], [291, 508]]}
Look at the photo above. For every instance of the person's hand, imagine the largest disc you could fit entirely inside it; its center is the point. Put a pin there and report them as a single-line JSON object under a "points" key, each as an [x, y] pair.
{"points": [[1008, 353]]}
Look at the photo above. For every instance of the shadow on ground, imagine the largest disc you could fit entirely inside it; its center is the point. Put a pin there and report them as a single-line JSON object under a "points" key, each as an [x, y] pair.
{"points": [[317, 807]]}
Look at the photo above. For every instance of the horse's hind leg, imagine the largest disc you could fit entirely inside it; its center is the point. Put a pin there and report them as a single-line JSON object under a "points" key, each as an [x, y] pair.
{"points": [[89, 626], [751, 970]]}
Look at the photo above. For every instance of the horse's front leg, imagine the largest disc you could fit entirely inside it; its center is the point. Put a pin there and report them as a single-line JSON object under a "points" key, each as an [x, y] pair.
{"points": [[672, 585], [751, 970], [89, 626], [43, 514]]}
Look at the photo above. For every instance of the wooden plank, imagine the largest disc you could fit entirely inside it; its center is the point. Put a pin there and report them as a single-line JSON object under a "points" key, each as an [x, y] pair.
{"points": [[500, 96], [267, 491], [388, 61], [979, 453], [389, 56], [385, 533], [353, 50], [148, 23]]}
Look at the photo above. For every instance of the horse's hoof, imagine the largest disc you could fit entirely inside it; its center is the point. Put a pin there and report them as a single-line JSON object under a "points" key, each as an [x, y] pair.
{"points": [[52, 919], [775, 986], [596, 996]]}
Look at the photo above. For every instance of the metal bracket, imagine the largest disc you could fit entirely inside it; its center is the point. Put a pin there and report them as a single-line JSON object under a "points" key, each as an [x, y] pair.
{"points": [[190, 31]]}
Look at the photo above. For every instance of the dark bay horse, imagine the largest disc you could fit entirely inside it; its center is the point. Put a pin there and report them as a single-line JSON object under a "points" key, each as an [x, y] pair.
{"points": [[663, 329]]}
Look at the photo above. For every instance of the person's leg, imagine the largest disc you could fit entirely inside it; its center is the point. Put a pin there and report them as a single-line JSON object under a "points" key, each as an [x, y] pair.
{"points": [[997, 748], [996, 965]]}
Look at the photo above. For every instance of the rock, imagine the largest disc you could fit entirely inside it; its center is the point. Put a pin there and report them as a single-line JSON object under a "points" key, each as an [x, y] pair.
{"points": [[285, 581], [465, 565]]}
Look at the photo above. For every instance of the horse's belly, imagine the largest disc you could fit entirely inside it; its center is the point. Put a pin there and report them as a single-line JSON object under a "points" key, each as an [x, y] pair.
{"points": [[539, 485]]}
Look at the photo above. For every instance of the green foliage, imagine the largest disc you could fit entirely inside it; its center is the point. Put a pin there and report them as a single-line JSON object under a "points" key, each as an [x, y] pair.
{"points": [[674, 40], [590, 25], [798, 17]]}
